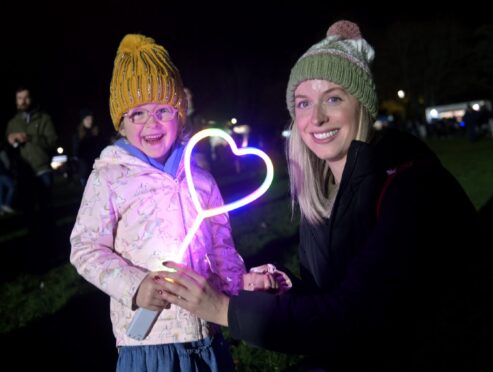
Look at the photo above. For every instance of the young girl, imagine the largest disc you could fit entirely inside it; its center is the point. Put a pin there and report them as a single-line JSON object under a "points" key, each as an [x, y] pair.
{"points": [[136, 210]]}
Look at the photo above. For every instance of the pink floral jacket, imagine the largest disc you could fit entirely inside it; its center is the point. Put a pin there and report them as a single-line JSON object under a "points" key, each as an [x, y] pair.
{"points": [[132, 218]]}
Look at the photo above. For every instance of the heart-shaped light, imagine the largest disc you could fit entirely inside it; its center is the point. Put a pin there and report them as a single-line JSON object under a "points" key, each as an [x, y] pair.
{"points": [[238, 152], [204, 213]]}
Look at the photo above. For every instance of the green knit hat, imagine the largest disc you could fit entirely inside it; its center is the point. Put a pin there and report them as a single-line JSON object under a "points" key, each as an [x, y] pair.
{"points": [[343, 58]]}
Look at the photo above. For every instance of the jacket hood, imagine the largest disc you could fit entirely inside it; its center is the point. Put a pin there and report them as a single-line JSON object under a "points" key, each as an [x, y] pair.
{"points": [[388, 149], [393, 148]]}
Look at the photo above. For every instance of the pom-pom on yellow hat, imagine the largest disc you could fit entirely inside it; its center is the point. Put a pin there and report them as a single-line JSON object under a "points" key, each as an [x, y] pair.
{"points": [[144, 73]]}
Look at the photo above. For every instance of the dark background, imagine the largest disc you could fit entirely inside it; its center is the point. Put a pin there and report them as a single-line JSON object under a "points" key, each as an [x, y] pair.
{"points": [[235, 58]]}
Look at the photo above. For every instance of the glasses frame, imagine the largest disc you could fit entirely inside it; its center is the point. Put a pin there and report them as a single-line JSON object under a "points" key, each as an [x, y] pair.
{"points": [[150, 113]]}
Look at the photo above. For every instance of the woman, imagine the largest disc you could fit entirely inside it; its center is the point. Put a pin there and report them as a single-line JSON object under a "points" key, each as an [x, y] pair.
{"points": [[382, 234]]}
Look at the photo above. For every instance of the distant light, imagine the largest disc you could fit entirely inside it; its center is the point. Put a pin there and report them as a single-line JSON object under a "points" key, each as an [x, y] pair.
{"points": [[58, 160], [401, 94], [286, 133], [378, 125], [59, 150], [241, 129], [434, 113], [475, 107], [234, 121]]}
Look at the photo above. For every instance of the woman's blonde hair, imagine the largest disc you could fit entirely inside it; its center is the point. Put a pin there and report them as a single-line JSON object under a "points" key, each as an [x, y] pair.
{"points": [[309, 175]]}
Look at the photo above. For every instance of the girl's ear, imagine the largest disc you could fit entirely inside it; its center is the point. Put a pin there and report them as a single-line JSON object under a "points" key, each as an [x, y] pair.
{"points": [[122, 129]]}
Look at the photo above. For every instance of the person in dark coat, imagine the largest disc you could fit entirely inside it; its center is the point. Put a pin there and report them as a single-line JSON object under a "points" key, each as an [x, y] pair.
{"points": [[386, 244], [32, 133], [87, 144], [471, 120], [7, 182]]}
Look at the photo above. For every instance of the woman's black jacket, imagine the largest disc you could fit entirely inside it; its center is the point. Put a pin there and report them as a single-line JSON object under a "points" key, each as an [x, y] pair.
{"points": [[386, 291]]}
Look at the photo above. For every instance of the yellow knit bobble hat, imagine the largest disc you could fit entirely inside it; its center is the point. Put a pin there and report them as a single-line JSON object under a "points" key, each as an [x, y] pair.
{"points": [[143, 73]]}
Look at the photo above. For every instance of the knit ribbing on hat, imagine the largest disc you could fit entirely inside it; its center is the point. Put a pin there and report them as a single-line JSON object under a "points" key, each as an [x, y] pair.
{"points": [[337, 70], [144, 73]]}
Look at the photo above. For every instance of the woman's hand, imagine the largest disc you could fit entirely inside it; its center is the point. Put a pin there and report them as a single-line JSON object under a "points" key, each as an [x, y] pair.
{"points": [[191, 291], [149, 294]]}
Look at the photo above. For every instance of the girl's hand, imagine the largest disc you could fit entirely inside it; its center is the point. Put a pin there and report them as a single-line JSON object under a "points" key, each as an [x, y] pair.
{"points": [[281, 280], [149, 294], [254, 281]]}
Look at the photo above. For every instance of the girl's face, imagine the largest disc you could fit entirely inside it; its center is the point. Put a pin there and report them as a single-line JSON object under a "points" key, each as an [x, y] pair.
{"points": [[327, 118], [152, 128]]}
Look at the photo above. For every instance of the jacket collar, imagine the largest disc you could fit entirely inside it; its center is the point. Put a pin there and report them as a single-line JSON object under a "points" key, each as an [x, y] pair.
{"points": [[172, 164], [359, 163], [388, 149], [392, 148]]}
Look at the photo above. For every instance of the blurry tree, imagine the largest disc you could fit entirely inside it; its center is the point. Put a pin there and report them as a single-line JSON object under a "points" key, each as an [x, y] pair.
{"points": [[481, 66], [425, 59]]}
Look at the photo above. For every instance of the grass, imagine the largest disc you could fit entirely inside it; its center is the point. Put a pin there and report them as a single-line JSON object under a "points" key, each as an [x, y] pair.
{"points": [[249, 358], [32, 297], [470, 163]]}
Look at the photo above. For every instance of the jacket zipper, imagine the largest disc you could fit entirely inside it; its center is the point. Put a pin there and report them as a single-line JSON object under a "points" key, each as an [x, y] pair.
{"points": [[185, 230]]}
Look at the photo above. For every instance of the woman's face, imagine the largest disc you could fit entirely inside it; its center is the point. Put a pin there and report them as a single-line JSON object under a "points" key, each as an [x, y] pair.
{"points": [[154, 138], [327, 118]]}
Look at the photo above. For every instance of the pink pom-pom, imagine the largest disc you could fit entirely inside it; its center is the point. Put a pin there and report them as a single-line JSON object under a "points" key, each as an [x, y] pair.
{"points": [[346, 29]]}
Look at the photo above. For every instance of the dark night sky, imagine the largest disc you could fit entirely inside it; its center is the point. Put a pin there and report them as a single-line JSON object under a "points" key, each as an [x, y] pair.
{"points": [[236, 59]]}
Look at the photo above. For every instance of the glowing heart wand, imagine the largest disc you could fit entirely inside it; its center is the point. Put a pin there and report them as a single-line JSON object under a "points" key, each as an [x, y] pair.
{"points": [[144, 319]]}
